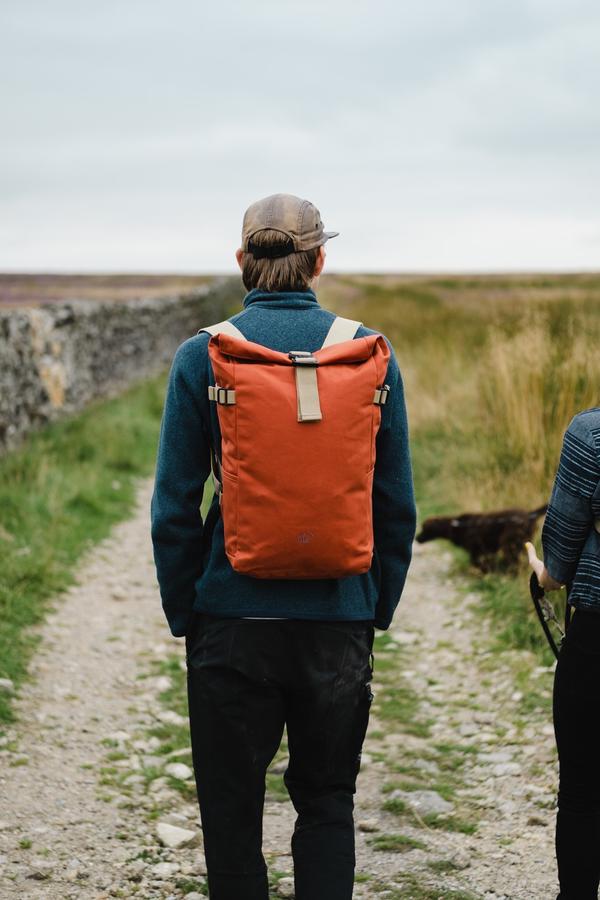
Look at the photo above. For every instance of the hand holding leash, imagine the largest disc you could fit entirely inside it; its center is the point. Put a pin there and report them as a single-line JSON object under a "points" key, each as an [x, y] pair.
{"points": [[540, 581], [545, 580]]}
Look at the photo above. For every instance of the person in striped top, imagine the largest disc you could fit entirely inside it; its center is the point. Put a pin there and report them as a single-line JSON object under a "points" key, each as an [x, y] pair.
{"points": [[572, 557]]}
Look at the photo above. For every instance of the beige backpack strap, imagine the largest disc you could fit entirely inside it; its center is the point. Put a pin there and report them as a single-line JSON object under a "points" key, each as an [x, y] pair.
{"points": [[344, 330], [341, 330], [218, 394], [307, 388], [225, 327]]}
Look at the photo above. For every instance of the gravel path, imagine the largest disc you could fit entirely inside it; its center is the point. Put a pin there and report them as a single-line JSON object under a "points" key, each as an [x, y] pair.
{"points": [[462, 752]]}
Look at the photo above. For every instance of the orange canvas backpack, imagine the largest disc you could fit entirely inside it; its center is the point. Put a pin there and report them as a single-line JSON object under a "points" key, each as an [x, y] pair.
{"points": [[298, 435]]}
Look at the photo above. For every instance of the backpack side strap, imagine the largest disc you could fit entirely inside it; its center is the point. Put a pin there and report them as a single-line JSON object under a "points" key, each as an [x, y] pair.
{"points": [[225, 327], [216, 393], [220, 395], [341, 330]]}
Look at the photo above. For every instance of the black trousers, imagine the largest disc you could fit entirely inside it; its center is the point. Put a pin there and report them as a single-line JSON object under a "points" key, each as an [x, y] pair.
{"points": [[576, 723], [247, 680]]}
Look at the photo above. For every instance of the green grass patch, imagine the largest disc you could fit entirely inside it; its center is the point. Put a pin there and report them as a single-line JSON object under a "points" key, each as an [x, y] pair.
{"points": [[450, 823], [404, 769], [399, 807], [415, 887], [174, 697], [395, 805], [276, 789], [275, 877], [60, 494], [449, 750], [396, 843], [401, 705], [443, 866]]}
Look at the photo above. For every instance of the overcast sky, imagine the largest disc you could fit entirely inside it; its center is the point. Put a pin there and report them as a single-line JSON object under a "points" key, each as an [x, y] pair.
{"points": [[433, 134]]}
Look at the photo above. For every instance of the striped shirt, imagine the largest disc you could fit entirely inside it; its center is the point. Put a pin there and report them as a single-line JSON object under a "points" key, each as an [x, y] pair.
{"points": [[570, 541]]}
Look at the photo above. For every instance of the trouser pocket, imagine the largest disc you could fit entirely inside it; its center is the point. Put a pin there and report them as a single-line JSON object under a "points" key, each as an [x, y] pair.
{"points": [[364, 719], [359, 699], [208, 640]]}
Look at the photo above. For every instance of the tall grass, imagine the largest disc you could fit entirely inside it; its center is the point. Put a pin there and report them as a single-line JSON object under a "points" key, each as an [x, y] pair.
{"points": [[494, 369], [534, 382]]}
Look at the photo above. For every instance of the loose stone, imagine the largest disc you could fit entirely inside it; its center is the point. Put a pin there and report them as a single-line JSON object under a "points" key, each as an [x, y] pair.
{"points": [[174, 837], [179, 770], [426, 803]]}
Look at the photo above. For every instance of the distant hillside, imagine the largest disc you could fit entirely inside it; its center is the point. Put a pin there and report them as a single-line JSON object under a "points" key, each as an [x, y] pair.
{"points": [[35, 290]]}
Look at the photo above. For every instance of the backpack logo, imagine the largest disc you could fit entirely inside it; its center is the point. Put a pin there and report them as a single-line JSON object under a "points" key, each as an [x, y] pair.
{"points": [[304, 537]]}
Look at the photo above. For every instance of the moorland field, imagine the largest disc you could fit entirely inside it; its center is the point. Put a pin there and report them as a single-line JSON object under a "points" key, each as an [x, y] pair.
{"points": [[494, 367]]}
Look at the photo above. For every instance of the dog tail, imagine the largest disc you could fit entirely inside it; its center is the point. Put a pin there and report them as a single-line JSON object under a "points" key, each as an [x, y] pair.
{"points": [[536, 513]]}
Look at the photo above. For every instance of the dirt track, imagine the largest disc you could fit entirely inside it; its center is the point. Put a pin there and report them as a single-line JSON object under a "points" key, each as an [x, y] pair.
{"points": [[63, 835]]}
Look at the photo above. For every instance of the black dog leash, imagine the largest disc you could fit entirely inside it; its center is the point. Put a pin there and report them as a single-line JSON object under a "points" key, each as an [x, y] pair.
{"points": [[546, 613]]}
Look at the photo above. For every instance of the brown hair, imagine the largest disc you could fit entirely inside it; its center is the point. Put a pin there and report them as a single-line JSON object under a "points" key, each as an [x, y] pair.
{"points": [[285, 273]]}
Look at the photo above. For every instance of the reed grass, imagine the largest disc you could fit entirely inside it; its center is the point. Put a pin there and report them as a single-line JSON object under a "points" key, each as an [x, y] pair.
{"points": [[494, 369]]}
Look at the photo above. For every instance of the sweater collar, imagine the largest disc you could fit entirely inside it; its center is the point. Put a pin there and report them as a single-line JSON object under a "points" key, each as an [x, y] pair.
{"points": [[296, 299]]}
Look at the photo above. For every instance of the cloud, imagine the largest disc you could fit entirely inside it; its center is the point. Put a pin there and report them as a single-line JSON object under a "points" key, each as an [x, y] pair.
{"points": [[147, 128]]}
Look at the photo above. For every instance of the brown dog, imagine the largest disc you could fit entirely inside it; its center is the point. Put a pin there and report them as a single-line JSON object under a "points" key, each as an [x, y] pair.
{"points": [[489, 537]]}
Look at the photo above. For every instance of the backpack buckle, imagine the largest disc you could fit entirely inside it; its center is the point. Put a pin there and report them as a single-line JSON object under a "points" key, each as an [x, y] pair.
{"points": [[224, 396], [303, 357], [381, 395]]}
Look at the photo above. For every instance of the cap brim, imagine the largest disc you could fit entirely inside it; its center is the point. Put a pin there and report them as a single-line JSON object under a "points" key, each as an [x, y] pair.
{"points": [[329, 234]]}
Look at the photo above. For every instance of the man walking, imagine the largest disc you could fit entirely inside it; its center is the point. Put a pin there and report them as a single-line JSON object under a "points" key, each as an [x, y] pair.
{"points": [[304, 551]]}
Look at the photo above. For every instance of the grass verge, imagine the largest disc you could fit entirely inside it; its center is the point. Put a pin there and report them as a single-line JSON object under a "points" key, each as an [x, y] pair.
{"points": [[59, 495], [494, 368]]}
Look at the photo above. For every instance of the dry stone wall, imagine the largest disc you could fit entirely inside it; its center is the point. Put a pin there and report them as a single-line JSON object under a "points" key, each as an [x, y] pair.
{"points": [[55, 359]]}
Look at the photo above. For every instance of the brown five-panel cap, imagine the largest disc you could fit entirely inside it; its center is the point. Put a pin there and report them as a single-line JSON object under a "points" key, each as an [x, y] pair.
{"points": [[298, 220]]}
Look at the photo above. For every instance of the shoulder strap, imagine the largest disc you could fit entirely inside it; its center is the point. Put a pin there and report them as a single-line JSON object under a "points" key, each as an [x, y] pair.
{"points": [[225, 327], [221, 395], [341, 330]]}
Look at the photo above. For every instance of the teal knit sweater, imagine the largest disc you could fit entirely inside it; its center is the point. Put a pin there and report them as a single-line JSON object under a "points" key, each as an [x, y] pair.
{"points": [[192, 568]]}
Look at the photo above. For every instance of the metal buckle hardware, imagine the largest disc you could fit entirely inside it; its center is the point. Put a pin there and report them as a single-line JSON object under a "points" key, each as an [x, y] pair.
{"points": [[303, 357], [222, 395], [381, 395]]}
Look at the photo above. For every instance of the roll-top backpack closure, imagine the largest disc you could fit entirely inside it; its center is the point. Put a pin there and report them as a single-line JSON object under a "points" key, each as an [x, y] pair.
{"points": [[307, 385], [305, 364]]}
